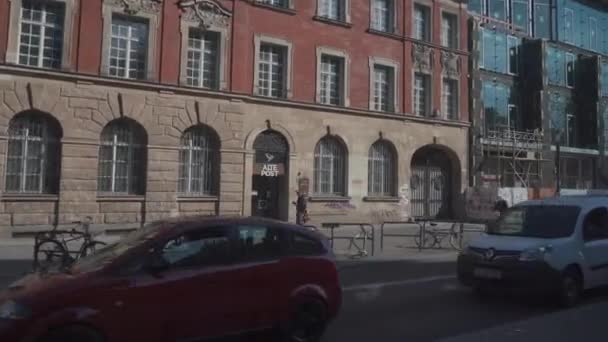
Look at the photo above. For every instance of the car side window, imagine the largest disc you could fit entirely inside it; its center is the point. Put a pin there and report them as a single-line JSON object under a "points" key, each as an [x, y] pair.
{"points": [[301, 244], [258, 242], [595, 225], [203, 247]]}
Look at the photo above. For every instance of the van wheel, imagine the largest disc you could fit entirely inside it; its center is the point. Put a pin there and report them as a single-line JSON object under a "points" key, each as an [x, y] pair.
{"points": [[571, 288], [73, 334], [307, 323]]}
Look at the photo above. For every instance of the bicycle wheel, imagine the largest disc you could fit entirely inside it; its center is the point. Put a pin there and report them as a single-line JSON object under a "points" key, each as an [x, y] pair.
{"points": [[91, 248], [48, 253], [429, 240]]}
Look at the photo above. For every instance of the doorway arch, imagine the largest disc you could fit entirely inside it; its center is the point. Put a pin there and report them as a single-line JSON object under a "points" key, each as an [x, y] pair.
{"points": [[270, 179], [432, 183]]}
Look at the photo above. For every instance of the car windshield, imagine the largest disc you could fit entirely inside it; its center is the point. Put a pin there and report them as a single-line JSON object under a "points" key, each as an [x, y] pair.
{"points": [[540, 221], [115, 250]]}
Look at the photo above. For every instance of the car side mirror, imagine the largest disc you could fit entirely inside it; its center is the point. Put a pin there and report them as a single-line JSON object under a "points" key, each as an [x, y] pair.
{"points": [[156, 264]]}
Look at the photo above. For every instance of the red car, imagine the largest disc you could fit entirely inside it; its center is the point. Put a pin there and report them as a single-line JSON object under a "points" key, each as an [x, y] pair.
{"points": [[183, 280]]}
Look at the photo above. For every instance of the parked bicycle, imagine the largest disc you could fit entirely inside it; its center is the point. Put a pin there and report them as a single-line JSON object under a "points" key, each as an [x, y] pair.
{"points": [[434, 236], [53, 247]]}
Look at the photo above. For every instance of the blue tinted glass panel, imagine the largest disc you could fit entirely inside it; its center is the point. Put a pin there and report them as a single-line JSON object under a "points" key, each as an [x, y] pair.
{"points": [[581, 29], [557, 111], [520, 14], [475, 6], [498, 9], [604, 78], [593, 34], [542, 28], [489, 103], [555, 64], [502, 105], [501, 53], [489, 50], [568, 25]]}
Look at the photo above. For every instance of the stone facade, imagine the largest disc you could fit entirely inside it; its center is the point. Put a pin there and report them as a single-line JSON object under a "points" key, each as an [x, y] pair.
{"points": [[84, 108]]}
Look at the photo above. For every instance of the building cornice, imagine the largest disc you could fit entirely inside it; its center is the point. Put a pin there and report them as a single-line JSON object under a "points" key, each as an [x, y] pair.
{"points": [[11, 70]]}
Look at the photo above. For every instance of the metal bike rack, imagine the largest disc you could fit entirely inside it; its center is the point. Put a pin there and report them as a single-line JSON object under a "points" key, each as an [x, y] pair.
{"points": [[363, 229]]}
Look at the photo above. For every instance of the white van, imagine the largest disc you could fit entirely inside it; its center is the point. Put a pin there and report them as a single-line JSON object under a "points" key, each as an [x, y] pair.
{"points": [[558, 244]]}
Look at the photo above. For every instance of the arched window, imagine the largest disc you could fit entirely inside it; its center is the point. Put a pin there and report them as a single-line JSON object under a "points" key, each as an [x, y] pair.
{"points": [[122, 158], [34, 154], [199, 162], [381, 170], [330, 167]]}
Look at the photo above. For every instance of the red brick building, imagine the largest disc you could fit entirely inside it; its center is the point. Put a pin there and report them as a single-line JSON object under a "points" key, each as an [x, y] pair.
{"points": [[131, 110]]}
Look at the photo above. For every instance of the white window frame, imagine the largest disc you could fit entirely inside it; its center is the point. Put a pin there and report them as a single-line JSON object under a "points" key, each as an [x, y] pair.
{"points": [[287, 45], [392, 16], [345, 79], [343, 17], [211, 154], [288, 3], [456, 104], [319, 155], [509, 123], [49, 153], [429, 25], [455, 37], [185, 28], [152, 19], [14, 34], [428, 95], [388, 164], [394, 67]]}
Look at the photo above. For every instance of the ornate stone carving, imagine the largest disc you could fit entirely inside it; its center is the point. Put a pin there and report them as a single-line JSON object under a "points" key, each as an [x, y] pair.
{"points": [[135, 6], [450, 63], [423, 57], [207, 13]]}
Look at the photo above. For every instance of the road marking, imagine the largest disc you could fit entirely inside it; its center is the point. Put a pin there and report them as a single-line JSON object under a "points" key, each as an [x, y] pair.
{"points": [[375, 286]]}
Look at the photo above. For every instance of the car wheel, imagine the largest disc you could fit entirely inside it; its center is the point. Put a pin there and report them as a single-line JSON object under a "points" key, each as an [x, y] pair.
{"points": [[307, 323], [74, 334], [571, 288]]}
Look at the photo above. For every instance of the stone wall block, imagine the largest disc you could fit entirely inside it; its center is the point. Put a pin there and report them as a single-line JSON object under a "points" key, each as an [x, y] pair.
{"points": [[232, 207], [79, 185], [160, 196], [192, 112], [31, 219], [6, 114], [231, 178], [231, 168], [78, 207], [98, 118], [166, 101], [232, 158], [120, 207], [106, 111], [231, 187], [44, 97], [165, 120], [79, 174], [22, 92], [234, 118], [231, 196], [77, 102], [80, 151], [161, 185], [197, 207], [163, 156], [5, 221], [62, 111], [87, 93], [78, 196], [11, 100], [79, 162], [161, 206], [7, 84], [185, 118], [237, 108], [112, 218], [173, 132], [83, 113], [179, 124], [29, 207], [114, 104], [132, 104]]}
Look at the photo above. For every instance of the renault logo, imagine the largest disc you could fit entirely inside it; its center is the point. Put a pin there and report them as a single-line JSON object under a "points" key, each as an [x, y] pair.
{"points": [[490, 253]]}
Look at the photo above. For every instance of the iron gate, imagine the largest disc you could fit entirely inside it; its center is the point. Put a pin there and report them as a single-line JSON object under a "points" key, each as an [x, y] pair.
{"points": [[430, 187]]}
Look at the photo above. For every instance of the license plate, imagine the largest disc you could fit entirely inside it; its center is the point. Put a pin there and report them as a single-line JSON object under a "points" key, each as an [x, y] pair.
{"points": [[487, 273]]}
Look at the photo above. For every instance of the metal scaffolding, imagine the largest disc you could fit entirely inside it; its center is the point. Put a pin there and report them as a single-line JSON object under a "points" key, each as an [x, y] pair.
{"points": [[511, 158]]}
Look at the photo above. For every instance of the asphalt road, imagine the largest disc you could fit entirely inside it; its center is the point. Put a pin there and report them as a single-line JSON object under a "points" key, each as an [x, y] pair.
{"points": [[422, 301]]}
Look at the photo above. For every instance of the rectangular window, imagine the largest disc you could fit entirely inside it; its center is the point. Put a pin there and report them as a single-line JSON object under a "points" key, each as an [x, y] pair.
{"points": [[513, 45], [422, 94], [593, 34], [556, 66], [570, 69], [501, 53], [542, 23], [422, 22], [568, 25], [449, 30], [259, 243], [41, 38], [519, 14], [384, 88], [498, 9], [203, 61], [332, 9], [129, 48], [332, 71], [276, 3], [450, 98], [381, 15], [271, 77]]}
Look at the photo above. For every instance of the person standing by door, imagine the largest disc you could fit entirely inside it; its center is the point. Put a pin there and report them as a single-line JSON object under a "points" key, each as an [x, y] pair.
{"points": [[301, 208]]}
